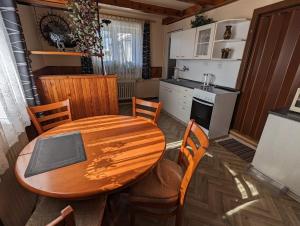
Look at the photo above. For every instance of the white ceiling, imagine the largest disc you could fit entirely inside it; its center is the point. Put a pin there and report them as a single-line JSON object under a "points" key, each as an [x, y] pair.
{"points": [[167, 3]]}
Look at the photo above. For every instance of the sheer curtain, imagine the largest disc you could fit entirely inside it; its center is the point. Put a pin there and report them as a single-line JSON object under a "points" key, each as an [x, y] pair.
{"points": [[123, 49], [13, 115]]}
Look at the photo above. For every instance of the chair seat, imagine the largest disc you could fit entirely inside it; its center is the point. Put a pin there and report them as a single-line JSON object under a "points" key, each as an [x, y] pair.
{"points": [[160, 186], [87, 212]]}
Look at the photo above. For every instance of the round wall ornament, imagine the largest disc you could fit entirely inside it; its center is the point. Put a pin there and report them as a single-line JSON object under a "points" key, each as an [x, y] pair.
{"points": [[56, 31]]}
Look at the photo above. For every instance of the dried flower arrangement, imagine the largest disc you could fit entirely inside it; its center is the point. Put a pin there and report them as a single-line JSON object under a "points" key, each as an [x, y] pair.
{"points": [[201, 20], [86, 27]]}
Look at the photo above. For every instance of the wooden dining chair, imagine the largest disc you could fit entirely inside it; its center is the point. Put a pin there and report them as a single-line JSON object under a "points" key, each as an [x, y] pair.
{"points": [[57, 212], [163, 191], [66, 218], [45, 117], [152, 115]]}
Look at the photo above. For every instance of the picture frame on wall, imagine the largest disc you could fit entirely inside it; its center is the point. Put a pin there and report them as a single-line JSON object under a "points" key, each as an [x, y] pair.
{"points": [[296, 102]]}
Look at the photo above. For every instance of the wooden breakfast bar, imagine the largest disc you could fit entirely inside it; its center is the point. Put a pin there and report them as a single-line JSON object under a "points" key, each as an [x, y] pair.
{"points": [[89, 95]]}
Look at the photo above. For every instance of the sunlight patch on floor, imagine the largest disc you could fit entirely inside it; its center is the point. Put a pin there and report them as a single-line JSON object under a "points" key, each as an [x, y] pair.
{"points": [[241, 188], [241, 207], [173, 145], [231, 171], [252, 188]]}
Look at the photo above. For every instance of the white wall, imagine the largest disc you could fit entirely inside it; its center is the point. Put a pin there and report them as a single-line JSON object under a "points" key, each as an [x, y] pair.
{"points": [[238, 9], [32, 37]]}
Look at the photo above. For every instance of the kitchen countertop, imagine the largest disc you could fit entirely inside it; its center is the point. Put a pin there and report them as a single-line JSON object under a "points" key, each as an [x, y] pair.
{"points": [[199, 85], [286, 113]]}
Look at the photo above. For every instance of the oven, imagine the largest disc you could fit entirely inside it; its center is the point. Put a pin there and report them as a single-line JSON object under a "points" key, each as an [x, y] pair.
{"points": [[201, 112]]}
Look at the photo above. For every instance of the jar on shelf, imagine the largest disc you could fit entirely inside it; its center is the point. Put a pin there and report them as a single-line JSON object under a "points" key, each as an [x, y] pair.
{"points": [[228, 32]]}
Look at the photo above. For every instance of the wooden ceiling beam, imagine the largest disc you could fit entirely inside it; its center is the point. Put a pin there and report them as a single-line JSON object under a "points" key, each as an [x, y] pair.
{"points": [[146, 8], [193, 10], [59, 4], [199, 2]]}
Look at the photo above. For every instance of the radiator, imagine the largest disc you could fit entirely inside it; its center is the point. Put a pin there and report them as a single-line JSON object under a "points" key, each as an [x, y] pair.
{"points": [[126, 89]]}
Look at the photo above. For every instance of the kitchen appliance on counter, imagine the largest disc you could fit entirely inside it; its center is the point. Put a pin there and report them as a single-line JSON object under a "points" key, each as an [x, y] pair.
{"points": [[212, 109]]}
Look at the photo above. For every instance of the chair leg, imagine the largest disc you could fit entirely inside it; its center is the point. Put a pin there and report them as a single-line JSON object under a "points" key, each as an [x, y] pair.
{"points": [[179, 215], [132, 217]]}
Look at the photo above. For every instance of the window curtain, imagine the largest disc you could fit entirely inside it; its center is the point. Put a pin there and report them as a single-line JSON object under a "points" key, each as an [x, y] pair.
{"points": [[86, 65], [14, 29], [146, 73], [13, 115], [122, 42]]}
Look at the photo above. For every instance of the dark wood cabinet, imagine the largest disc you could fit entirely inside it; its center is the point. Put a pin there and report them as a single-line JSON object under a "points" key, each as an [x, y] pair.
{"points": [[270, 72]]}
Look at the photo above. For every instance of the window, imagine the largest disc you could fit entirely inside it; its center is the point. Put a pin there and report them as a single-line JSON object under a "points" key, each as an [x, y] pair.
{"points": [[123, 46]]}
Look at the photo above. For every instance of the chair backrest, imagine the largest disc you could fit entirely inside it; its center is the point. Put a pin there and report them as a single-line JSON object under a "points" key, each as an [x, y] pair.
{"points": [[66, 218], [190, 154], [45, 117], [152, 114]]}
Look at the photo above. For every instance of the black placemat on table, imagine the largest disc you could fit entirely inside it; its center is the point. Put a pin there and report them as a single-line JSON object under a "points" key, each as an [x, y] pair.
{"points": [[55, 152]]}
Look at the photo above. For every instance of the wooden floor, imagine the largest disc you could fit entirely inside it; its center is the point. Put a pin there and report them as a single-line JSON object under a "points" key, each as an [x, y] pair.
{"points": [[222, 191]]}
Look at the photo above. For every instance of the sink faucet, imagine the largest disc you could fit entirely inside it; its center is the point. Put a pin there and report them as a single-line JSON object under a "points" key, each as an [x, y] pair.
{"points": [[185, 68]]}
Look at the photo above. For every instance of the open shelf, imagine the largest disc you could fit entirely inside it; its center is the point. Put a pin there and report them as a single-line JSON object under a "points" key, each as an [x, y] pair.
{"points": [[239, 29], [57, 53], [224, 59], [237, 49], [231, 40]]}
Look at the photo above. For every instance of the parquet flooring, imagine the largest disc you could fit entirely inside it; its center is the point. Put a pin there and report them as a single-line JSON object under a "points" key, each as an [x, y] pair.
{"points": [[222, 192]]}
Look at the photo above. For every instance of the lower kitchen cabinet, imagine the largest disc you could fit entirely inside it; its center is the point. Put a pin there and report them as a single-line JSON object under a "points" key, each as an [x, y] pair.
{"points": [[176, 100]]}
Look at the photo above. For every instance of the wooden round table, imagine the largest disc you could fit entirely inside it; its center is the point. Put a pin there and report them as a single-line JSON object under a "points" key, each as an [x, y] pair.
{"points": [[119, 150]]}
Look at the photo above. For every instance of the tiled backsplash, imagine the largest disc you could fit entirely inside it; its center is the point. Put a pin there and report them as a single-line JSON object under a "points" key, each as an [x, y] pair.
{"points": [[226, 72]]}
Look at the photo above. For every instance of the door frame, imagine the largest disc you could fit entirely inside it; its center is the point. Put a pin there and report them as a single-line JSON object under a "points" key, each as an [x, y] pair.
{"points": [[253, 31]]}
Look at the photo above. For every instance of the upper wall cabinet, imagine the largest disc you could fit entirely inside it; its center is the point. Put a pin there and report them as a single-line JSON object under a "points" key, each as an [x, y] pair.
{"points": [[182, 44], [204, 41], [208, 42]]}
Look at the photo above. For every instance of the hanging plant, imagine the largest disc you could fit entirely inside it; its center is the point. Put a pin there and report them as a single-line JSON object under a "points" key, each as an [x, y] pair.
{"points": [[86, 27], [201, 20]]}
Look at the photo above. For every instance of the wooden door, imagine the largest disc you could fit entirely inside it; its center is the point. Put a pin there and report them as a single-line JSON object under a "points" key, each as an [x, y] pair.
{"points": [[270, 72]]}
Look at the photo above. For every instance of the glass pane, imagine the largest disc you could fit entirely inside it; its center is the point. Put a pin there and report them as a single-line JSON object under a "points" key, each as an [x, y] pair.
{"points": [[204, 36], [202, 49]]}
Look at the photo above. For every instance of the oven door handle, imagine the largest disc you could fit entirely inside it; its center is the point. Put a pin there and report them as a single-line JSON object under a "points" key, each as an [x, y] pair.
{"points": [[201, 102]]}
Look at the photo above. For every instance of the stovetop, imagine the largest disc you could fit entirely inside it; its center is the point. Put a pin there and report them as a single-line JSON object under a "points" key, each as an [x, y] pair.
{"points": [[199, 85]]}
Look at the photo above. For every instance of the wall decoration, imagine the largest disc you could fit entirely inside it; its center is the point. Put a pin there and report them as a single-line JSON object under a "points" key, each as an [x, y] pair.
{"points": [[56, 31], [86, 27], [296, 102], [201, 20]]}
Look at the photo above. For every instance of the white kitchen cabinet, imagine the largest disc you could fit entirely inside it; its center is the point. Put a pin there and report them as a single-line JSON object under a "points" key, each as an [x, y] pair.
{"points": [[182, 44], [176, 100], [207, 41], [175, 43], [204, 41]]}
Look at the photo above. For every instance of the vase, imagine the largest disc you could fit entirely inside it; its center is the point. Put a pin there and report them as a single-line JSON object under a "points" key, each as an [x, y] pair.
{"points": [[225, 53], [228, 33]]}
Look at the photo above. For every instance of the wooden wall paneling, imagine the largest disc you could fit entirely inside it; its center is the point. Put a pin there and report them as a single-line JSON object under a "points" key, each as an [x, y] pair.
{"points": [[89, 95], [102, 90], [111, 87], [270, 73]]}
